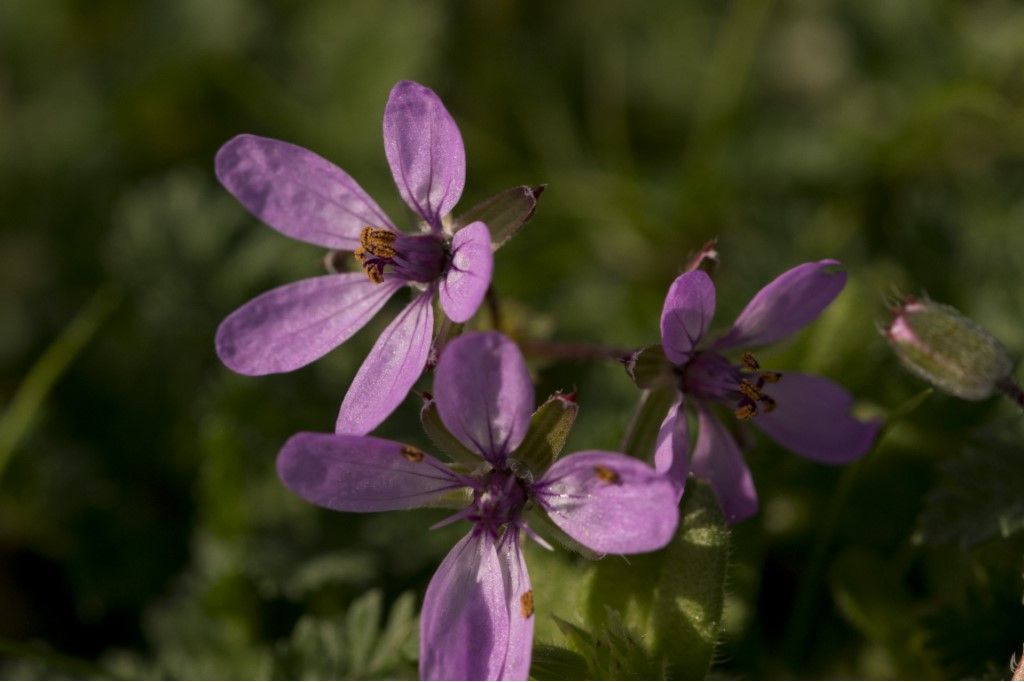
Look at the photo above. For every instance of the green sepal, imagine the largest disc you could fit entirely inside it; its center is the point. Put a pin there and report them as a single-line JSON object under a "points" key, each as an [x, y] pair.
{"points": [[441, 437], [649, 368], [642, 432], [541, 523], [504, 213], [549, 429]]}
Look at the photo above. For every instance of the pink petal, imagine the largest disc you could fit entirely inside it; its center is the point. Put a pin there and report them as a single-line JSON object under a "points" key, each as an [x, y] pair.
{"points": [[609, 502], [484, 394], [469, 274], [812, 418], [688, 310], [519, 596], [293, 325], [424, 149], [464, 627], [361, 474], [394, 364], [671, 456], [297, 192], [786, 304], [717, 459]]}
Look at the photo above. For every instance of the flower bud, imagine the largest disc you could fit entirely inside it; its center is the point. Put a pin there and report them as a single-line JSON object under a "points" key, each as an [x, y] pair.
{"points": [[949, 350]]}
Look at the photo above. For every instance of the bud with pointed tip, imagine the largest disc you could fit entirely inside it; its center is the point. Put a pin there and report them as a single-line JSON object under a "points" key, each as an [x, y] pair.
{"points": [[942, 346]]}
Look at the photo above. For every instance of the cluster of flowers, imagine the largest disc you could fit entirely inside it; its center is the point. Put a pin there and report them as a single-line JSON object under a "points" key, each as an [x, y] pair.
{"points": [[477, 619]]}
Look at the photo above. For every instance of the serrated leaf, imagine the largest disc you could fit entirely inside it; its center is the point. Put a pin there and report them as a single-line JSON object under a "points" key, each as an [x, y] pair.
{"points": [[400, 629], [362, 625], [504, 213], [549, 428], [440, 436], [643, 428], [649, 368], [556, 663], [979, 496]]}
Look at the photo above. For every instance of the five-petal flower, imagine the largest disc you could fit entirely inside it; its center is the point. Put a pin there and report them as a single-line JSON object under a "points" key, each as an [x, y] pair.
{"points": [[477, 620], [808, 415], [308, 198]]}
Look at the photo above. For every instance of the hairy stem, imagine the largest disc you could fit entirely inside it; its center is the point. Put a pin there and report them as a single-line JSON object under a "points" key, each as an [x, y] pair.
{"points": [[572, 350]]}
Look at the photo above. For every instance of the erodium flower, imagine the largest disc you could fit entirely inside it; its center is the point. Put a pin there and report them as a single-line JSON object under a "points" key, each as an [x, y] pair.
{"points": [[806, 414], [306, 197], [477, 620]]}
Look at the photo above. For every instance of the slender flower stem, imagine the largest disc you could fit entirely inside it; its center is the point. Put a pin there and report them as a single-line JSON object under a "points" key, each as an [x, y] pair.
{"points": [[494, 307], [570, 350]]}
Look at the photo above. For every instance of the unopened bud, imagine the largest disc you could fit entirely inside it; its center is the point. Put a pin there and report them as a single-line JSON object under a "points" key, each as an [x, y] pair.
{"points": [[942, 346]]}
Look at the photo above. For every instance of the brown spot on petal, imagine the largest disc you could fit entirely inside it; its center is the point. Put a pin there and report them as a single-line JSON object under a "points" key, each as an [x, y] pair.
{"points": [[606, 475], [412, 454], [526, 604]]}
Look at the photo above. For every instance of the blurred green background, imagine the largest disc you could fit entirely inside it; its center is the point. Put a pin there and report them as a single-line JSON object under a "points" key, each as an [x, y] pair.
{"points": [[143, 531]]}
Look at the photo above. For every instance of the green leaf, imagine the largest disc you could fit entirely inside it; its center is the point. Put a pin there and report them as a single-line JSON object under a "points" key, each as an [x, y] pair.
{"points": [[504, 213], [362, 624], [549, 429], [649, 368], [440, 436], [979, 496], [556, 663], [672, 599], [643, 428]]}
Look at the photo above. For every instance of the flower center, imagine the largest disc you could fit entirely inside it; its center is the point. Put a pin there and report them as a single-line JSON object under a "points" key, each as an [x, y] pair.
{"points": [[710, 376], [499, 501], [417, 258]]}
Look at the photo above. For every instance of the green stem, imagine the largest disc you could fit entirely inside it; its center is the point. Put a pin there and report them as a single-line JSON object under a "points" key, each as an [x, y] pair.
{"points": [[803, 610], [20, 414]]}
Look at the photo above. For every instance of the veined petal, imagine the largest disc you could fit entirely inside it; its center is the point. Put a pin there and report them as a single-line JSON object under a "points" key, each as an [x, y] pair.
{"points": [[717, 459], [671, 456], [610, 503], [425, 151], [484, 394], [293, 325], [469, 274], [297, 192], [812, 418], [464, 627], [688, 310], [394, 364], [519, 596], [360, 473], [786, 304]]}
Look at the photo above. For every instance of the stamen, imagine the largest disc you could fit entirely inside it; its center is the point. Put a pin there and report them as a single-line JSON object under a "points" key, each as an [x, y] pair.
{"points": [[750, 362], [378, 242], [526, 604], [412, 454], [745, 411], [749, 390], [768, 404], [770, 377], [606, 475]]}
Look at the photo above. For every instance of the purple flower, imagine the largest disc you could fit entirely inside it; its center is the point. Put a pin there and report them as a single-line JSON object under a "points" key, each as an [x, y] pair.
{"points": [[477, 620], [306, 197], [807, 414]]}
